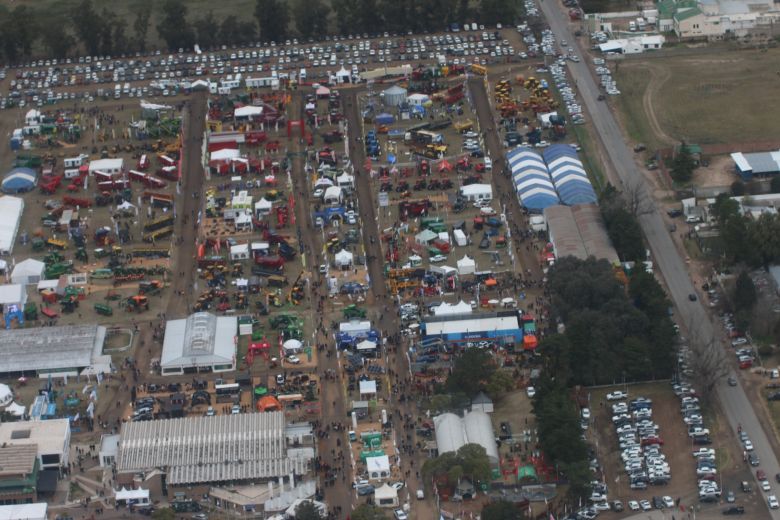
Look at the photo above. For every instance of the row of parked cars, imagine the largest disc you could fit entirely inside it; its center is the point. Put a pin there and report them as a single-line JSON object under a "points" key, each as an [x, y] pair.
{"points": [[605, 77]]}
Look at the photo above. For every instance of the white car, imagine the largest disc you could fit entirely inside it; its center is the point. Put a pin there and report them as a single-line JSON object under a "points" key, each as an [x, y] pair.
{"points": [[748, 445], [531, 391], [617, 395], [772, 501], [667, 500], [438, 258], [765, 485], [295, 360], [585, 413], [704, 452], [633, 505], [400, 515]]}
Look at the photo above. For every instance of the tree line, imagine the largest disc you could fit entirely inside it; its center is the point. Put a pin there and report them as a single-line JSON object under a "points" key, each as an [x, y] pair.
{"points": [[95, 29]]}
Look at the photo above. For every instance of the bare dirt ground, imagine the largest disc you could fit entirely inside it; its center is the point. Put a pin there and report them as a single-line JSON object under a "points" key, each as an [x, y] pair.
{"points": [[719, 172]]}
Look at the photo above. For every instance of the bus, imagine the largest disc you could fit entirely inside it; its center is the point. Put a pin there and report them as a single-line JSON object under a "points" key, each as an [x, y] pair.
{"points": [[228, 392]]}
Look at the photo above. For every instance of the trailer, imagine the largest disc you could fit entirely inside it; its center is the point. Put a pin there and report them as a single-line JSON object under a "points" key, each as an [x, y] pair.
{"points": [[74, 201], [157, 234], [168, 172], [159, 223]]}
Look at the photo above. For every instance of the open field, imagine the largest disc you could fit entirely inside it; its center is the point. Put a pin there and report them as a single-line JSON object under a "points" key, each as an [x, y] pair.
{"points": [[703, 99]]}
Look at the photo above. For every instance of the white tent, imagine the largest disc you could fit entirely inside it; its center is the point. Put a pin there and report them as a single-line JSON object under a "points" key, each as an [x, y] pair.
{"points": [[378, 467], [263, 206], [366, 345], [466, 265], [446, 309], [292, 346], [321, 506], [28, 272], [153, 106], [344, 259], [346, 180], [248, 111], [11, 209], [386, 496], [138, 496], [343, 75], [224, 154], [16, 409], [425, 237], [332, 195], [6, 395], [367, 388], [323, 181]]}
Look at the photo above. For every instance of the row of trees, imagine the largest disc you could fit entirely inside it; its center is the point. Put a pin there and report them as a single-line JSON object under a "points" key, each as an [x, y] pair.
{"points": [[608, 337], [620, 212], [96, 29], [754, 242]]}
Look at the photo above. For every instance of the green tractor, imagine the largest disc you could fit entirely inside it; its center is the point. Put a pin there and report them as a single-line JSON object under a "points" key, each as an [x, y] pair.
{"points": [[38, 244], [352, 312], [53, 258], [30, 311], [69, 304], [81, 255], [283, 320], [56, 270], [292, 332], [103, 309]]}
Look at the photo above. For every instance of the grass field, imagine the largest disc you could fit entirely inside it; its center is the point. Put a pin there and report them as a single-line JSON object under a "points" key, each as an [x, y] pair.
{"points": [[710, 98]]}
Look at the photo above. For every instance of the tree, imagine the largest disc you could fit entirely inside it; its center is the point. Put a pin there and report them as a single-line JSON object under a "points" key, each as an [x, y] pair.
{"points": [[88, 26], [707, 361], [206, 30], [471, 372], [273, 17], [745, 295], [141, 24], [368, 512], [307, 510], [502, 510], [499, 384], [683, 164], [346, 14], [492, 12], [311, 17], [173, 26], [620, 212], [470, 460], [23, 26]]}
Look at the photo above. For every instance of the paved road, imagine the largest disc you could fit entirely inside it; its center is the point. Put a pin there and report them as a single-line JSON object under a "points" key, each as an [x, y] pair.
{"points": [[734, 401]]}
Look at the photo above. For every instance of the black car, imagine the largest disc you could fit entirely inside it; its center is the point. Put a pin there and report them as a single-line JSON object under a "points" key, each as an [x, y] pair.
{"points": [[658, 503], [674, 213], [616, 505], [734, 510], [746, 486], [753, 459]]}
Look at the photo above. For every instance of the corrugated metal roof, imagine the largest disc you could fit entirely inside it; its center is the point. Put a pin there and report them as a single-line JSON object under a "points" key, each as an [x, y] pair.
{"points": [[579, 231], [50, 348], [212, 449], [199, 340]]}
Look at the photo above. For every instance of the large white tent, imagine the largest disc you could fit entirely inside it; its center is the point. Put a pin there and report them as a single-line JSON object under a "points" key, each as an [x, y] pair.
{"points": [[446, 309], [292, 346], [11, 209], [225, 154], [28, 272]]}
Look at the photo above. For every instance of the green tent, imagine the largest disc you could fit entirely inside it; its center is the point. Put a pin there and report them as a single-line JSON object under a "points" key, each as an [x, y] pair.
{"points": [[527, 473]]}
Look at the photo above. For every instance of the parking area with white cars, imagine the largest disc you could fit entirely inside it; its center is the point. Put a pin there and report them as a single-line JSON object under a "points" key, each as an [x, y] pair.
{"points": [[160, 73], [606, 80]]}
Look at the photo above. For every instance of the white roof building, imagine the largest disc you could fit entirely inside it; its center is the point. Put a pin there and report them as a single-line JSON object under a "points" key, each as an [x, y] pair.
{"points": [[11, 209], [28, 272], [107, 165], [58, 351], [52, 437], [221, 448], [202, 341], [452, 433], [12, 295], [36, 511]]}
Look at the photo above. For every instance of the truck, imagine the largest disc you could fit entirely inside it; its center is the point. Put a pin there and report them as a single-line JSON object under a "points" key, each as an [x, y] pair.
{"points": [[476, 68], [463, 126]]}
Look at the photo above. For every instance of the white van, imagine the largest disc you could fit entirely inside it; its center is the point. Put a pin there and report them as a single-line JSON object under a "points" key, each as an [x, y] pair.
{"points": [[632, 26]]}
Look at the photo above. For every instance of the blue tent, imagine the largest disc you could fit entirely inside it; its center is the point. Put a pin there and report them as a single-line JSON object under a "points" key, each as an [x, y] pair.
{"points": [[532, 179], [384, 119], [569, 177], [19, 180]]}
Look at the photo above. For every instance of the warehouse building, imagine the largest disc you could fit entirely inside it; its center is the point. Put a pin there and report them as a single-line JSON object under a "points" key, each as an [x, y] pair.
{"points": [[502, 327], [34, 511], [578, 231], [187, 456], [758, 164], [202, 342], [56, 351]]}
